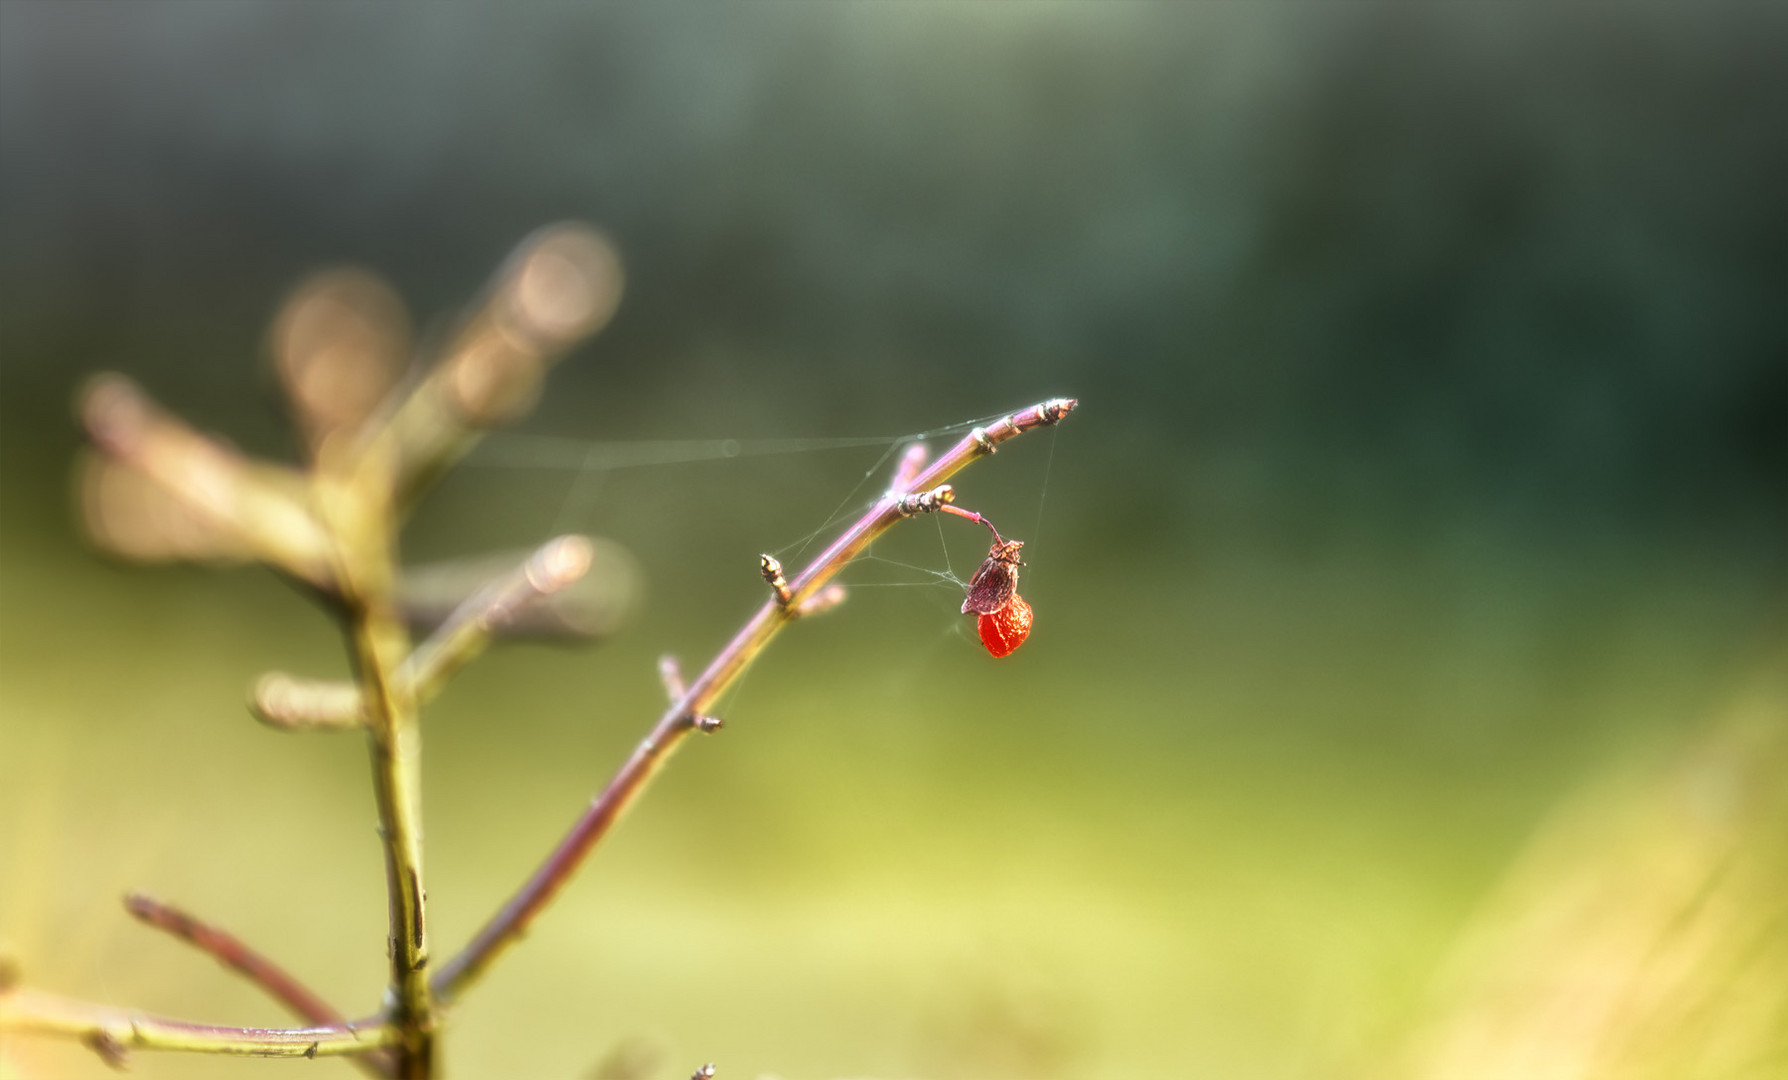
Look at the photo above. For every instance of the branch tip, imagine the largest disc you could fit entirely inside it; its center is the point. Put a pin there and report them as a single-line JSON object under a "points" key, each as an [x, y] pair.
{"points": [[512, 920], [706, 1072], [559, 563]]}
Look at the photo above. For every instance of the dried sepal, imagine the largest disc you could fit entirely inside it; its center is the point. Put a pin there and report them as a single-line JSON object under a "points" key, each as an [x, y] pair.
{"points": [[996, 581]]}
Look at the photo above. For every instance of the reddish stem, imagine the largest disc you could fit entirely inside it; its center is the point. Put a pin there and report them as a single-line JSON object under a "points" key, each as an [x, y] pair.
{"points": [[231, 952], [512, 920], [974, 517]]}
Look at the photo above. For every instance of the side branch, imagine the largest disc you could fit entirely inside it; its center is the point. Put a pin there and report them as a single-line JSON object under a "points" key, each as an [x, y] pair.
{"points": [[115, 1032], [231, 952], [512, 920], [295, 704]]}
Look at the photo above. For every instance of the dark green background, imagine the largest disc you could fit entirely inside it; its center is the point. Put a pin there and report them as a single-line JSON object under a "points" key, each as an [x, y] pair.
{"points": [[1433, 461]]}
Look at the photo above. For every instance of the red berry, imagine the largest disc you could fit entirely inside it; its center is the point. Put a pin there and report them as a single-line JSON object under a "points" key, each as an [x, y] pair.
{"points": [[1005, 630]]}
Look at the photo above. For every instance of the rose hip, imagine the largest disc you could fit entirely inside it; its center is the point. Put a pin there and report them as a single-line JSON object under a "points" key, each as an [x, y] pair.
{"points": [[1005, 629]]}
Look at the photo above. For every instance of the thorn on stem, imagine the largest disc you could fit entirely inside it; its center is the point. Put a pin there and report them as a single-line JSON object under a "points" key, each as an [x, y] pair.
{"points": [[772, 571], [708, 724], [982, 440]]}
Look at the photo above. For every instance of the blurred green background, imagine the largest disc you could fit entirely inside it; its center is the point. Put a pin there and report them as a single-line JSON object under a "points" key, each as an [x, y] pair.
{"points": [[1432, 469]]}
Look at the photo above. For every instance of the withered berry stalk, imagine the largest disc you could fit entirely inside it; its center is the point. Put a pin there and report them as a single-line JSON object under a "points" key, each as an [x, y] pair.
{"points": [[159, 490]]}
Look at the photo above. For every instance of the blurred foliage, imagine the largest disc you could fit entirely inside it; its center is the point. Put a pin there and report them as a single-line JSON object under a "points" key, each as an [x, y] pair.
{"points": [[1644, 933], [1433, 469]]}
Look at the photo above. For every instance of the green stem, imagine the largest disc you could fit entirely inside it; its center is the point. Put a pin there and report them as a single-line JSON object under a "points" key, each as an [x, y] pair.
{"points": [[114, 1032]]}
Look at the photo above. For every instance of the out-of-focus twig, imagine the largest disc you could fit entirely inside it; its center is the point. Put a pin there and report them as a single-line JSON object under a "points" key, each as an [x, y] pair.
{"points": [[560, 286], [262, 507], [340, 344], [286, 701], [114, 1032]]}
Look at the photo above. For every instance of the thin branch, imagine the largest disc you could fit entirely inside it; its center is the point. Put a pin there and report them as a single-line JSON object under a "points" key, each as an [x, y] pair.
{"points": [[558, 287], [262, 506], [468, 631], [297, 704], [112, 1031], [231, 952], [228, 950], [512, 920]]}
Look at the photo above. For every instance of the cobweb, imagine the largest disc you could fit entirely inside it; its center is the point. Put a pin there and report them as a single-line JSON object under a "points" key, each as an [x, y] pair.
{"points": [[589, 465], [591, 462]]}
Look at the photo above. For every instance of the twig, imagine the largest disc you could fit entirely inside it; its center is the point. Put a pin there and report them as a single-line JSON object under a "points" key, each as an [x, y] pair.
{"points": [[513, 918], [261, 506], [823, 601], [465, 634], [335, 528], [230, 951], [112, 1031], [354, 502], [296, 704], [559, 286]]}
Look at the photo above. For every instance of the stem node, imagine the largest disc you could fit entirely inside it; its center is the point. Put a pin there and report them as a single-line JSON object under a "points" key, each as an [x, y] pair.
{"points": [[926, 502], [772, 571]]}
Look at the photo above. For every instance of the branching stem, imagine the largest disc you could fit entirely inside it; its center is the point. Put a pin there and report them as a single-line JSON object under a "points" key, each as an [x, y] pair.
{"points": [[115, 1032], [233, 953], [512, 920]]}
